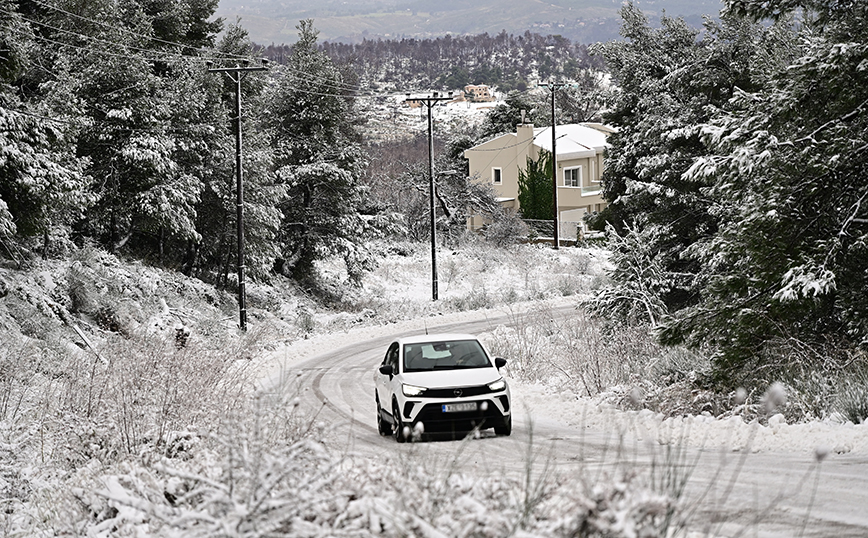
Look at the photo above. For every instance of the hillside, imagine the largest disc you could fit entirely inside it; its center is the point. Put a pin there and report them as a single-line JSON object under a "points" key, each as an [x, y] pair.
{"points": [[132, 406], [584, 21]]}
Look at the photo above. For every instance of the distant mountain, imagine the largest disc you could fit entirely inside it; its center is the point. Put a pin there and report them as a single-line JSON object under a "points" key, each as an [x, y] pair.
{"points": [[583, 21]]}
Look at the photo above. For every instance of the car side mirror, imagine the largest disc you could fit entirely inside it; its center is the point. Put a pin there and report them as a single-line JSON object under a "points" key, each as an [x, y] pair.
{"points": [[499, 362], [386, 369]]}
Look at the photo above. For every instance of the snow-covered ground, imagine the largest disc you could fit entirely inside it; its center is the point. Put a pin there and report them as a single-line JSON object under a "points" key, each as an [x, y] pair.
{"points": [[534, 278], [178, 442], [544, 399]]}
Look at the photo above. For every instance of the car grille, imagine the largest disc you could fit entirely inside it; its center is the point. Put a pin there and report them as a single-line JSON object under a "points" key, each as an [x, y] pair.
{"points": [[435, 420], [457, 392]]}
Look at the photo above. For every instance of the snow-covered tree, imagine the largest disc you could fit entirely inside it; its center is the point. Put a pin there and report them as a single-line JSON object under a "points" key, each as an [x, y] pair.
{"points": [[42, 189], [139, 186], [318, 160], [668, 81], [789, 172]]}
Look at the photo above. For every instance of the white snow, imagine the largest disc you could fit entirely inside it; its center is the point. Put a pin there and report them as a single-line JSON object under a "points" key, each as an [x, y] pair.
{"points": [[731, 433]]}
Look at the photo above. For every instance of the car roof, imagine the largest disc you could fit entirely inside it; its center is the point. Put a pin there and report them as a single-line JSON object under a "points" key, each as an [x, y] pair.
{"points": [[443, 337]]}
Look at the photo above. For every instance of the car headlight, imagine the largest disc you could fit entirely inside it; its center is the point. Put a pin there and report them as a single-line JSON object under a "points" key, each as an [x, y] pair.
{"points": [[500, 384], [412, 390]]}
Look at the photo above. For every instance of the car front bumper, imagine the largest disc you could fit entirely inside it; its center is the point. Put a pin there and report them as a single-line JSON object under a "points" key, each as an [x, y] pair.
{"points": [[491, 410]]}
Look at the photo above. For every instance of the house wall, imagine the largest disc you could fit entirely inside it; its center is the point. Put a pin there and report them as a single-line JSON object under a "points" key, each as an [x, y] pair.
{"points": [[509, 153], [588, 195], [503, 153]]}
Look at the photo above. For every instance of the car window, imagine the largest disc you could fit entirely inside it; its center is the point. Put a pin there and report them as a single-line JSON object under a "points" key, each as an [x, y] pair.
{"points": [[392, 357], [448, 355]]}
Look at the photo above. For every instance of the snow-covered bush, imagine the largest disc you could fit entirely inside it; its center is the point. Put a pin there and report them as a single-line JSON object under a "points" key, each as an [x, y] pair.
{"points": [[505, 231], [133, 393], [853, 398], [248, 485], [638, 282], [574, 348]]}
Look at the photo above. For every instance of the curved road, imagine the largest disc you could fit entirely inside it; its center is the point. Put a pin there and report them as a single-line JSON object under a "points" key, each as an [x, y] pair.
{"points": [[728, 494]]}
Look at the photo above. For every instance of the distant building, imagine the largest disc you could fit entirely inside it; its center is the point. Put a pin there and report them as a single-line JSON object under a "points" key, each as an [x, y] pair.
{"points": [[479, 93], [579, 167]]}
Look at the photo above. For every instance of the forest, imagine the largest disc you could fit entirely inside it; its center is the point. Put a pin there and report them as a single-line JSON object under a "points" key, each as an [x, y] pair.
{"points": [[736, 179], [509, 62]]}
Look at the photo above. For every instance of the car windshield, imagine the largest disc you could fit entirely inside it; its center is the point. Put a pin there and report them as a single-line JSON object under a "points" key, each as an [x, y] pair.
{"points": [[449, 355]]}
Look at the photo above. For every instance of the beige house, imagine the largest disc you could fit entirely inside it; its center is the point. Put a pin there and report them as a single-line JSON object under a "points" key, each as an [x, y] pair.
{"points": [[579, 168], [478, 93]]}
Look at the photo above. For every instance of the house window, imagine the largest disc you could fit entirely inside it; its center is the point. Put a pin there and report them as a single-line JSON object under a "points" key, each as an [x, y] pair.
{"points": [[496, 176], [573, 177]]}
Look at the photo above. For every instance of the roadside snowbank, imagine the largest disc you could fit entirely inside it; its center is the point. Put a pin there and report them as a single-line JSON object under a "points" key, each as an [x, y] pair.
{"points": [[698, 431]]}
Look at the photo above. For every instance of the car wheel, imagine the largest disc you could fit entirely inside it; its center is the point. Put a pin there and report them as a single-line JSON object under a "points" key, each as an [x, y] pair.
{"points": [[399, 424], [383, 425], [505, 428]]}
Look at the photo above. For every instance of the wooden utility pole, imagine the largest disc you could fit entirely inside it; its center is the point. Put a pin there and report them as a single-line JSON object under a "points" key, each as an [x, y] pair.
{"points": [[553, 88], [430, 101], [237, 74]]}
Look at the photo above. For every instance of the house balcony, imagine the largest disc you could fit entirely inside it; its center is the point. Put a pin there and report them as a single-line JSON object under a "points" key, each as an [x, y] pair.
{"points": [[591, 191]]}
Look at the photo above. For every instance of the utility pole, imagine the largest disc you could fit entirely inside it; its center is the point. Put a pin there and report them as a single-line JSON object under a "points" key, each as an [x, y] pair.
{"points": [[429, 102], [553, 88], [237, 74]]}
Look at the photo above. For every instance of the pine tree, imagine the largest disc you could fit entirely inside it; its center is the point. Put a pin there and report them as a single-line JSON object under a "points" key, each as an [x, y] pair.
{"points": [[787, 269], [42, 188], [318, 160], [535, 188], [668, 81]]}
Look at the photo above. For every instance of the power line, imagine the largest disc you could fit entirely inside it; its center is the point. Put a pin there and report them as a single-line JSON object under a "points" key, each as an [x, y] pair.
{"points": [[127, 30], [208, 53], [104, 52], [90, 38], [41, 117], [308, 79], [349, 90], [237, 74], [298, 73]]}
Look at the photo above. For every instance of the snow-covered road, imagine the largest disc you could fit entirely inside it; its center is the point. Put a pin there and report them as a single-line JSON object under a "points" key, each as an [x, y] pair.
{"points": [[780, 493]]}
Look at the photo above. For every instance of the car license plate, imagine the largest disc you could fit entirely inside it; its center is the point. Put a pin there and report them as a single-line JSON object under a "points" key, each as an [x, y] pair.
{"points": [[459, 407]]}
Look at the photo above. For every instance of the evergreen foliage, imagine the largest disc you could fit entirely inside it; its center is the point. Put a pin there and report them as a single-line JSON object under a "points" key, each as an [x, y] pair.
{"points": [[318, 160], [42, 188], [535, 189], [739, 168], [668, 81], [789, 168]]}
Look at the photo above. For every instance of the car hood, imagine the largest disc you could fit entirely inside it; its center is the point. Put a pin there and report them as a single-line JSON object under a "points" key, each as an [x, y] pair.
{"points": [[436, 379]]}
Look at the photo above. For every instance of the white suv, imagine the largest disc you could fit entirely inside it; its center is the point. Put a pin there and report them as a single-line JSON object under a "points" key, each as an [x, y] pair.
{"points": [[443, 383]]}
